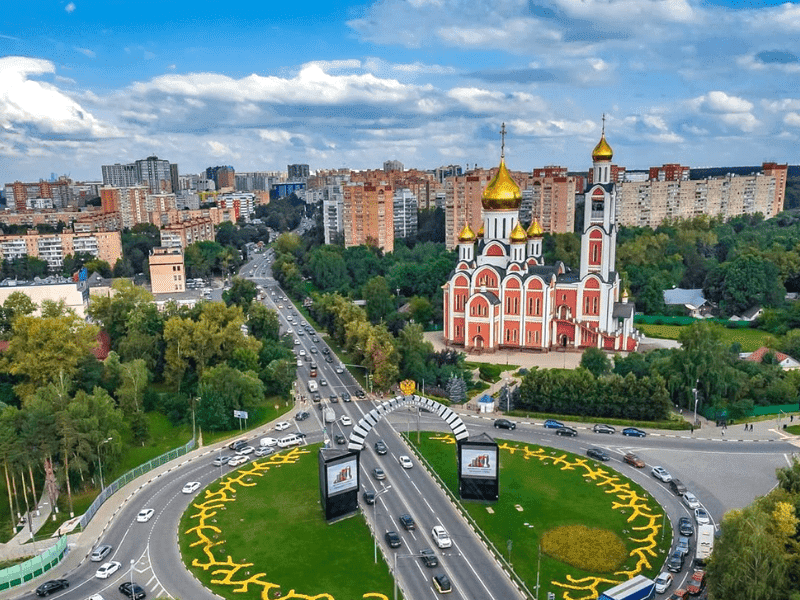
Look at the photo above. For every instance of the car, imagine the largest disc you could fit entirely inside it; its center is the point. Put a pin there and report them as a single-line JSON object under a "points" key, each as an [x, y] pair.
{"points": [[380, 447], [407, 521], [339, 370], [303, 324], [504, 424], [378, 473], [302, 416], [315, 339], [328, 359], [314, 350], [346, 421], [369, 497], [675, 561], [553, 424], [440, 536], [300, 332], [428, 557], [302, 352], [634, 432], [683, 545], [268, 442], [442, 583], [132, 590], [282, 425], [600, 428], [690, 500], [323, 382], [333, 398], [289, 331], [101, 552], [685, 526], [106, 570], [701, 517], [393, 539], [345, 397], [238, 460], [191, 487], [597, 454], [260, 452], [661, 473], [296, 342], [145, 515], [568, 431], [696, 583], [280, 306], [340, 439], [679, 594], [360, 393], [326, 350], [54, 585], [96, 597], [633, 460], [245, 450], [405, 462], [663, 582]]}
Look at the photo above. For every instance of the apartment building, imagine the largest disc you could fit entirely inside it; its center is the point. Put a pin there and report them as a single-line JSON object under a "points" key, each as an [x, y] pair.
{"points": [[224, 177], [405, 214], [52, 248], [129, 202], [368, 212], [548, 196], [167, 271], [158, 175], [23, 196], [463, 203], [332, 212], [180, 235], [297, 172]]}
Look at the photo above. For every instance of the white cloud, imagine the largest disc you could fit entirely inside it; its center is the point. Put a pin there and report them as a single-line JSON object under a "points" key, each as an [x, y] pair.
{"points": [[721, 102], [220, 150], [493, 102], [70, 7], [551, 128], [744, 121], [781, 105], [86, 52], [792, 119]]}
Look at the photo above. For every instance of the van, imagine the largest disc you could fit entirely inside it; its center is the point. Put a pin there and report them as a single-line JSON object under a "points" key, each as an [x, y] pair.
{"points": [[312, 386], [290, 440], [677, 487], [330, 415]]}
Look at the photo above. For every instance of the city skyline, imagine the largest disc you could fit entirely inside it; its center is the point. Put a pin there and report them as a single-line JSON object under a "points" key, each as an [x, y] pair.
{"points": [[425, 82]]}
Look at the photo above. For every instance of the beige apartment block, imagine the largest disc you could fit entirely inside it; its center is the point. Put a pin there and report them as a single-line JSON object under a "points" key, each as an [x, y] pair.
{"points": [[180, 235], [105, 245], [368, 215], [167, 271], [130, 202], [462, 203]]}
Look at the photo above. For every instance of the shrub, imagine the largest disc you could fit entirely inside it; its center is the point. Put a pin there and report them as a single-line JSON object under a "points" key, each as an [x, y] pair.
{"points": [[592, 550]]}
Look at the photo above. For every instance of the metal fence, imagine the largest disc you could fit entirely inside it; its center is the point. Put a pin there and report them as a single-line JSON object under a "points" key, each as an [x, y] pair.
{"points": [[130, 476], [23, 572]]}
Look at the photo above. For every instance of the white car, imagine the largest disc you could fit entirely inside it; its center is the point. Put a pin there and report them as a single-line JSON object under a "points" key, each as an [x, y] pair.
{"points": [[191, 487], [405, 462], [346, 421], [296, 342], [106, 570], [281, 425], [245, 451], [290, 331], [440, 536], [690, 500], [339, 370], [145, 515], [701, 516], [302, 352], [238, 460], [96, 597], [663, 582], [268, 442], [662, 474]]}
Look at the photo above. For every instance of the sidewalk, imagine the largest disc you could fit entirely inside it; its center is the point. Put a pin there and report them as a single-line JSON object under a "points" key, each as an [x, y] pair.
{"points": [[18, 546]]}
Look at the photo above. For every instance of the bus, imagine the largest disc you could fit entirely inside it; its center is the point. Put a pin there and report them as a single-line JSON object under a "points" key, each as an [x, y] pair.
{"points": [[705, 544]]}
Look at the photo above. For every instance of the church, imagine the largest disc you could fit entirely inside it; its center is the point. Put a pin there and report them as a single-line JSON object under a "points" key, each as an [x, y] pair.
{"points": [[501, 295]]}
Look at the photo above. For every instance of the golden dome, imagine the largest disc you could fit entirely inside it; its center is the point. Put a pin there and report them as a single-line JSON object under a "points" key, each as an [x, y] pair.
{"points": [[502, 193], [602, 151], [480, 231], [518, 235], [466, 235], [535, 230]]}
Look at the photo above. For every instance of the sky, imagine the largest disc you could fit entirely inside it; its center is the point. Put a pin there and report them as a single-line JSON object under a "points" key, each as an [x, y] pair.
{"points": [[259, 85]]}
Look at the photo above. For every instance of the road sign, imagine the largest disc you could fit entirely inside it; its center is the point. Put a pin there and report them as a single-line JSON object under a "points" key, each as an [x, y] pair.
{"points": [[239, 414]]}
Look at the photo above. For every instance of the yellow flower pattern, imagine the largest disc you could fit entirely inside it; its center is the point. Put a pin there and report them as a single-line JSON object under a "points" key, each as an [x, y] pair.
{"points": [[645, 519], [227, 571]]}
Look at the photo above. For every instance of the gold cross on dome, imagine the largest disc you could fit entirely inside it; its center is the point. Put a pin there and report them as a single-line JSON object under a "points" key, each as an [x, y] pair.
{"points": [[604, 123], [503, 140]]}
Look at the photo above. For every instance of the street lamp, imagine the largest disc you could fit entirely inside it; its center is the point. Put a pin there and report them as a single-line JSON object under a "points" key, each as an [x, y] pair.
{"points": [[375, 519], [696, 398], [194, 402], [132, 563], [99, 462], [396, 556]]}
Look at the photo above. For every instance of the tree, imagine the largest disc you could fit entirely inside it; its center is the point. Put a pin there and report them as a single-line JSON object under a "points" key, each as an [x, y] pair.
{"points": [[379, 299], [421, 310], [596, 362], [262, 322], [226, 389], [241, 293]]}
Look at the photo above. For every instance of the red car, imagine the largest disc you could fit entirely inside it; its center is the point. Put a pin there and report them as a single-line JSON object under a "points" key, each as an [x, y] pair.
{"points": [[634, 461], [696, 583]]}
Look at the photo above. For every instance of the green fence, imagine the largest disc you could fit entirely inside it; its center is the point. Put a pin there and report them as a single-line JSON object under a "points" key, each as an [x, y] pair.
{"points": [[665, 320], [23, 572], [712, 413]]}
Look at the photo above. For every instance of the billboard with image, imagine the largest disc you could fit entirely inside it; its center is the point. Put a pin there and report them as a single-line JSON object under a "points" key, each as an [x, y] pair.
{"points": [[478, 462], [342, 476]]}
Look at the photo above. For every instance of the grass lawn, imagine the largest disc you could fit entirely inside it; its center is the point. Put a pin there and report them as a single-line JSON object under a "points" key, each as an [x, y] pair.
{"points": [[271, 518], [750, 339], [542, 489]]}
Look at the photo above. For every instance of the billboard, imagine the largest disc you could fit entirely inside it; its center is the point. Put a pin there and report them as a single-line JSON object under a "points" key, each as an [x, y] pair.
{"points": [[479, 462], [341, 476]]}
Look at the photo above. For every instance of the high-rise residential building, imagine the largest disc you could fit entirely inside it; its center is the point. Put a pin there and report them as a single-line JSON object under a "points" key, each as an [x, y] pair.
{"points": [[158, 175], [463, 203], [129, 202], [368, 215], [392, 165], [442, 173], [333, 212], [167, 271], [297, 172], [180, 235], [405, 214], [669, 172], [22, 196], [53, 247], [222, 176], [549, 198]]}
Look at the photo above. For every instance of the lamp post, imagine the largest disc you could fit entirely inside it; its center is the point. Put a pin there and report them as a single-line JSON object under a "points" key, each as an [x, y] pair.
{"points": [[194, 432], [375, 519], [396, 556], [696, 398], [100, 463], [131, 570]]}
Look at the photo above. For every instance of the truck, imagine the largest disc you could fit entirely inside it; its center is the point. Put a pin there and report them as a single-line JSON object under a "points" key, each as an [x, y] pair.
{"points": [[638, 588], [705, 544], [330, 415], [312, 386]]}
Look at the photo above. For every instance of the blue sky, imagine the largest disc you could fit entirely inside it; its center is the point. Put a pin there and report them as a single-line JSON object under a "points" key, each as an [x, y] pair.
{"points": [[426, 82]]}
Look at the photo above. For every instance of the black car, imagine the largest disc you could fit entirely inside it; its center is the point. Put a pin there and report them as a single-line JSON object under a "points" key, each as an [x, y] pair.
{"points": [[504, 424], [345, 397], [685, 526], [328, 359], [132, 590], [600, 428], [428, 557], [597, 454], [302, 416], [633, 431], [393, 539], [326, 350], [54, 585], [340, 439], [407, 521], [369, 497], [675, 562], [360, 393], [569, 431], [380, 447], [333, 398], [442, 583]]}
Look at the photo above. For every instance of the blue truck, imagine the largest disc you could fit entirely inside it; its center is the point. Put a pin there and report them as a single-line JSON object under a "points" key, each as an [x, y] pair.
{"points": [[638, 588]]}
